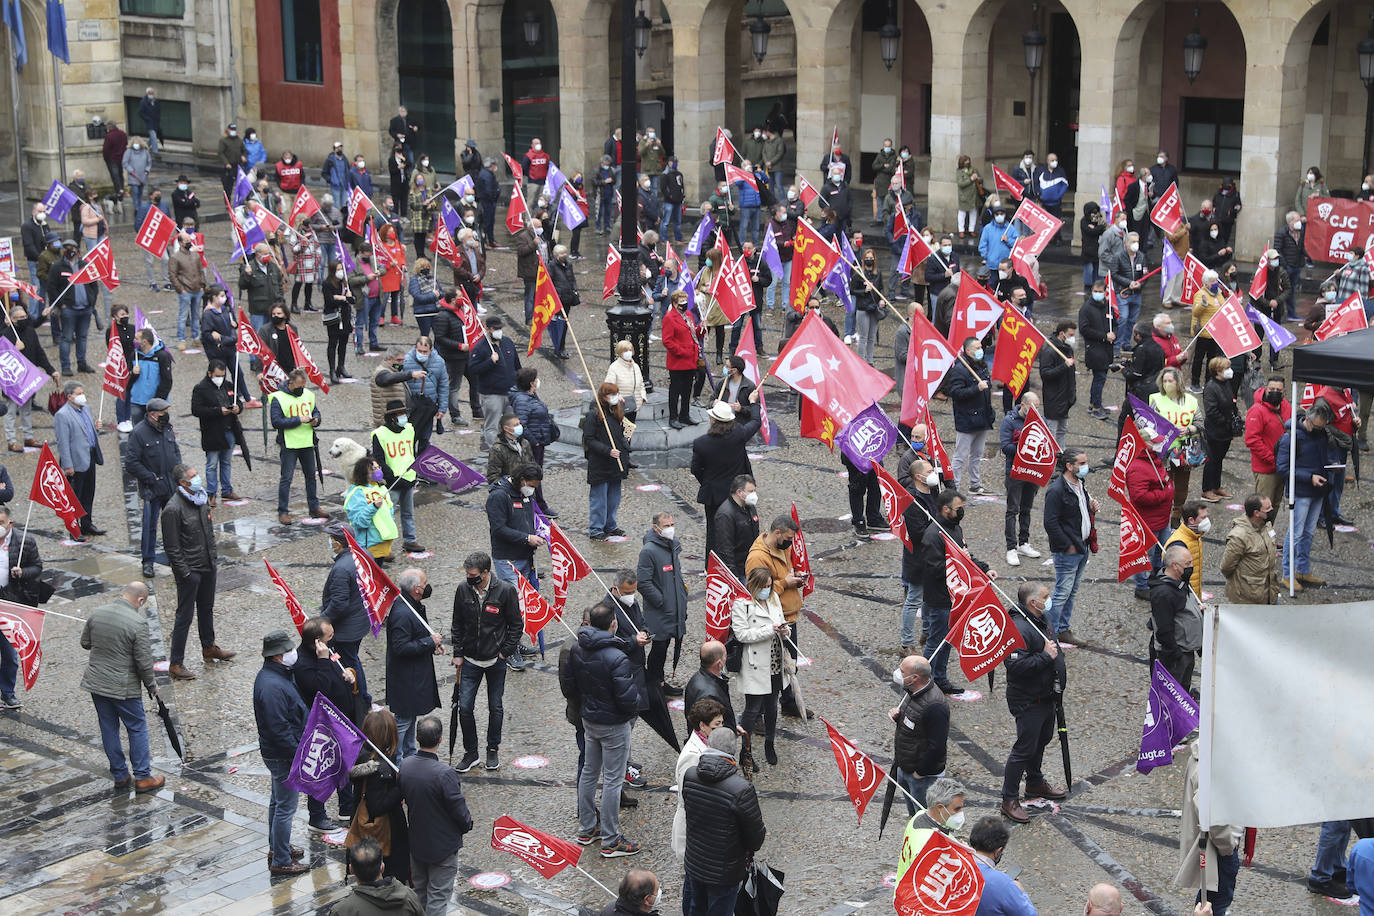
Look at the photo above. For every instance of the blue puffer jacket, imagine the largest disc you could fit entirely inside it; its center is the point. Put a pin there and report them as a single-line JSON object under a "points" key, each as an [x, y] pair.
{"points": [[748, 197], [435, 383], [599, 674], [1312, 459], [534, 417]]}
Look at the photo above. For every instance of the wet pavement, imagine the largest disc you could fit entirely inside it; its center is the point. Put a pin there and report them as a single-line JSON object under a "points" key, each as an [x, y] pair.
{"points": [[70, 843]]}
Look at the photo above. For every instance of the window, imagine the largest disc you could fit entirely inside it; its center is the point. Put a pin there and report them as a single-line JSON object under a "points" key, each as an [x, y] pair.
{"points": [[176, 119], [1211, 134], [301, 41], [166, 9]]}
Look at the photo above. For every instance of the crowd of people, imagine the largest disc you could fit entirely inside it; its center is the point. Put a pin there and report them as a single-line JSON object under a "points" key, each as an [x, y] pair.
{"points": [[405, 810]]}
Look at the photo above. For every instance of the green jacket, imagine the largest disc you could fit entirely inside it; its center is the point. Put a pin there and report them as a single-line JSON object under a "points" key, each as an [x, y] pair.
{"points": [[388, 898], [720, 208], [652, 157], [121, 653], [773, 151], [263, 289], [884, 167], [750, 149]]}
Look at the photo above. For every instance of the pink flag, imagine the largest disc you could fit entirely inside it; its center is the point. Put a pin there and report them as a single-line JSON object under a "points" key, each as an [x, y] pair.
{"points": [[1348, 316]]}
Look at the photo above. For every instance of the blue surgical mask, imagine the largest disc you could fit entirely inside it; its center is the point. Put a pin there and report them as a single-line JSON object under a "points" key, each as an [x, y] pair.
{"points": [[917, 444], [197, 483], [1082, 471], [1098, 297], [978, 354]]}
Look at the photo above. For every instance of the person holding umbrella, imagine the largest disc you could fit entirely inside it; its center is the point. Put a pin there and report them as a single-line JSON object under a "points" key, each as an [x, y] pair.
{"points": [[486, 631], [121, 659], [1035, 679]]}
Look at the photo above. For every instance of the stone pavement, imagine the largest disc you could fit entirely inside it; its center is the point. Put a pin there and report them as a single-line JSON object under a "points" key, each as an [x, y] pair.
{"points": [[69, 843]]}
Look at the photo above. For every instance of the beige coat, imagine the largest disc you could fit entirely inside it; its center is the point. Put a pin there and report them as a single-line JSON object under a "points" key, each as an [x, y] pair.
{"points": [[1220, 841], [753, 624], [1249, 564], [629, 379]]}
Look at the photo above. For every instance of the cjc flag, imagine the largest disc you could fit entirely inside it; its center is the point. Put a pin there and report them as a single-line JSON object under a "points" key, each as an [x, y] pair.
{"points": [[984, 635], [801, 559], [1171, 714], [860, 774], [51, 488], [868, 438], [1018, 344], [546, 854], [22, 627], [434, 464], [569, 566], [377, 589], [534, 610], [546, 306], [1136, 539], [723, 589], [821, 369], [329, 747], [936, 876], [1036, 451], [895, 502], [293, 604]]}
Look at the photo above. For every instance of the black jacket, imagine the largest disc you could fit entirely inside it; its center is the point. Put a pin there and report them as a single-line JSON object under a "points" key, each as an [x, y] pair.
{"points": [[1093, 324], [718, 460], [29, 343], [599, 675], [411, 687], [341, 603], [1032, 676], [1063, 517], [1218, 410], [483, 630], [510, 521], [916, 524], [706, 686], [972, 405], [737, 527], [216, 427], [33, 236], [1058, 387], [449, 337], [564, 282], [919, 747], [210, 321], [1142, 370], [936, 590], [438, 811], [149, 455], [313, 675], [188, 536], [494, 377], [601, 467], [1168, 599], [23, 553], [278, 711], [672, 187], [6, 486], [724, 823]]}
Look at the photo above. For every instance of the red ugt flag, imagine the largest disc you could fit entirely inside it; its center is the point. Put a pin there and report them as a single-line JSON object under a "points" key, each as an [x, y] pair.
{"points": [[533, 608], [823, 370], [1132, 443], [939, 879], [1136, 541], [1004, 182], [801, 559], [546, 854], [1231, 329], [984, 635], [569, 566], [723, 589], [860, 774], [895, 502], [963, 577], [304, 360], [1036, 450], [377, 589], [157, 230], [293, 604], [23, 629], [116, 375], [1167, 212], [52, 489]]}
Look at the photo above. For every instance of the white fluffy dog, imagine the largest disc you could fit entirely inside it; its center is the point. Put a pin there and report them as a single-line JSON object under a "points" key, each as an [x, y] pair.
{"points": [[346, 452]]}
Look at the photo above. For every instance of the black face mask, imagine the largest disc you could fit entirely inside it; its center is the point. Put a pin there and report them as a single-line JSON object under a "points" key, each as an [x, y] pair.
{"points": [[429, 590], [163, 421], [1273, 398], [279, 319], [1187, 574], [958, 515], [475, 581], [1271, 515], [785, 545], [297, 392]]}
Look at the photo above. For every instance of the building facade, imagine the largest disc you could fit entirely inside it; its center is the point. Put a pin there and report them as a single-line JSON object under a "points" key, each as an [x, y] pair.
{"points": [[1278, 88]]}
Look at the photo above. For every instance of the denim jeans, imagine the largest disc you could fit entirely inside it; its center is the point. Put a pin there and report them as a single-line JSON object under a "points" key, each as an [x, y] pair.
{"points": [[1141, 578], [281, 809], [1335, 836], [1090, 274], [607, 753], [911, 609], [9, 667], [702, 899], [76, 323], [917, 786], [376, 308], [937, 625], [318, 812], [1068, 573], [1130, 311], [289, 457], [749, 224], [506, 569], [850, 321], [968, 452], [405, 500], [1306, 511], [605, 502], [1337, 484], [136, 195], [1228, 867], [470, 677], [671, 217], [405, 736], [1095, 387], [111, 712], [188, 316], [153, 145], [217, 465], [152, 510], [1294, 277]]}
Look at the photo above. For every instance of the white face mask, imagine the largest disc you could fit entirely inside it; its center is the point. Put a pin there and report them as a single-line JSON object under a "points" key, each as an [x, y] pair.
{"points": [[1159, 160], [613, 399], [1071, 340], [1130, 169], [79, 400], [898, 679], [1229, 373], [999, 219], [1053, 163], [217, 381], [956, 821], [791, 195], [932, 479], [527, 491], [496, 334], [627, 600], [751, 499], [1297, 225], [628, 356], [1004, 274], [1204, 526], [1135, 246], [906, 155], [669, 533], [1311, 178], [289, 659], [538, 146], [1214, 233]]}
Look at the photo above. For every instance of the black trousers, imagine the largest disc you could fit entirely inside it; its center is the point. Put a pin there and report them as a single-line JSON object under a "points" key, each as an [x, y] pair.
{"points": [[1020, 499], [865, 499], [1216, 455], [680, 393], [1034, 729], [195, 597], [337, 347], [658, 657], [83, 482], [764, 704]]}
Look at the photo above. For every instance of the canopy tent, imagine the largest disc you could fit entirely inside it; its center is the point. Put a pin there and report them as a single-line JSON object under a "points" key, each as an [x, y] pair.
{"points": [[1346, 361]]}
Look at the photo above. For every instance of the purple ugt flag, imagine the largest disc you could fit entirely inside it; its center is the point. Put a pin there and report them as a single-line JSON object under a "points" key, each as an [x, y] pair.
{"points": [[837, 282], [329, 747], [771, 257], [1151, 423], [243, 188], [441, 467], [59, 200], [696, 245], [1170, 716], [1279, 336], [867, 438], [19, 378], [1168, 268]]}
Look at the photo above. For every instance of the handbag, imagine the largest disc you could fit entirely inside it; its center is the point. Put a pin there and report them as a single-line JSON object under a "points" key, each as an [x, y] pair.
{"points": [[364, 827], [761, 892], [734, 654]]}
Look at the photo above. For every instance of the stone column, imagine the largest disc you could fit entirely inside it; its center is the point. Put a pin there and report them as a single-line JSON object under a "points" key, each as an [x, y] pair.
{"points": [[698, 93], [477, 77], [1107, 95], [959, 87], [825, 80], [584, 66]]}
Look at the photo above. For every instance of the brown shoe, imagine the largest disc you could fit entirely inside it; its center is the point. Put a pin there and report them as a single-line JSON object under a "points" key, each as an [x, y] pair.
{"points": [[1297, 586], [124, 783], [413, 547], [296, 853], [179, 673], [1043, 789], [1223, 493], [295, 868], [151, 784], [1211, 496], [231, 495], [31, 443], [319, 513], [16, 447], [1310, 580], [1012, 810], [210, 502], [285, 519], [215, 653]]}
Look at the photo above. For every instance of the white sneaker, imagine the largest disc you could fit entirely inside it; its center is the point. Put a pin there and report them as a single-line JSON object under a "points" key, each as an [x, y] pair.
{"points": [[1026, 550], [126, 427], [1013, 558]]}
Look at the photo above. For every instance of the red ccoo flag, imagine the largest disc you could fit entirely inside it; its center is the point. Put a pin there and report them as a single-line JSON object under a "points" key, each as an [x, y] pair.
{"points": [[734, 173], [157, 231], [534, 610], [1260, 279], [724, 150], [1192, 276], [984, 635], [546, 854], [51, 488], [1036, 450], [305, 361], [377, 589], [293, 604], [723, 589], [1348, 316], [1004, 182], [1231, 329], [860, 774], [358, 205], [304, 205], [116, 376], [801, 559], [895, 502], [608, 285], [1167, 212], [22, 627], [569, 566]]}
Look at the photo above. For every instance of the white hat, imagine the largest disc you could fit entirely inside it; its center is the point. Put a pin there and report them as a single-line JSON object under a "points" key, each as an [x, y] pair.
{"points": [[721, 411]]}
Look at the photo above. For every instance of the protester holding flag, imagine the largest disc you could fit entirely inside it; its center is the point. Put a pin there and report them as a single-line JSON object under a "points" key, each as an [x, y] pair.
{"points": [[280, 717], [78, 451], [1312, 483], [367, 502], [922, 482], [261, 283], [379, 812], [391, 251], [149, 456], [1151, 492], [970, 388], [317, 672], [341, 604], [1069, 525], [1180, 408], [1208, 299], [151, 373], [1020, 493], [119, 668], [20, 331], [935, 596], [412, 690], [75, 302], [494, 363], [721, 455], [295, 416], [1036, 677], [998, 238], [217, 333], [1175, 614], [1221, 421]]}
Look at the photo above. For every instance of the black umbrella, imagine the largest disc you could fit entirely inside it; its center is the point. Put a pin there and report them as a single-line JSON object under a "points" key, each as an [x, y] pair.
{"points": [[1063, 740], [319, 465], [677, 653], [165, 715], [453, 723], [236, 430], [888, 798], [657, 716]]}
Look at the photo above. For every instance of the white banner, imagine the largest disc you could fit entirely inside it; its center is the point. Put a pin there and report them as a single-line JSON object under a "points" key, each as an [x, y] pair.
{"points": [[1287, 700]]}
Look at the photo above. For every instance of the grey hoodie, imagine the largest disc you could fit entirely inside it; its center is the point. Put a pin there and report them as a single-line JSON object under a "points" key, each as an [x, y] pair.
{"points": [[136, 164]]}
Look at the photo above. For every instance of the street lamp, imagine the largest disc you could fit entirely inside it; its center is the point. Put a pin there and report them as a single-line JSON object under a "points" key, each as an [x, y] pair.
{"points": [[1194, 49], [758, 36], [889, 37], [1033, 43], [642, 29], [1365, 50], [530, 25]]}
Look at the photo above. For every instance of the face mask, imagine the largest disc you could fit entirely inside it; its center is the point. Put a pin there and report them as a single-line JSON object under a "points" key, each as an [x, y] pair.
{"points": [[1004, 274], [1121, 224], [1330, 295], [1130, 169], [79, 400], [526, 491], [978, 354], [1214, 287], [41, 218], [669, 532], [999, 219], [1297, 225], [378, 475], [496, 334], [233, 133], [163, 420], [402, 419], [1159, 160], [751, 499], [932, 479], [217, 381], [958, 515], [791, 195], [1311, 178], [613, 399], [475, 581], [1135, 246], [1228, 374], [627, 600], [1082, 471], [429, 590], [1274, 261], [538, 146], [182, 187], [1054, 164], [1071, 340], [1203, 527], [1273, 398], [785, 545], [1187, 574], [906, 154], [197, 483], [289, 659], [956, 821], [1098, 297], [946, 250], [628, 356], [422, 357]]}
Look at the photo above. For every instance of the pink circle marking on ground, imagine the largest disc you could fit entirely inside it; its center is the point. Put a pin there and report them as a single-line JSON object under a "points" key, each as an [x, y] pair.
{"points": [[648, 488], [677, 704], [530, 762], [968, 696], [489, 880]]}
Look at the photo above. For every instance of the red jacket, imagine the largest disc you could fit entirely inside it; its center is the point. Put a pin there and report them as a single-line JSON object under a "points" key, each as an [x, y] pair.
{"points": [[1264, 427], [1173, 350], [536, 164], [680, 340], [1339, 402], [1151, 490]]}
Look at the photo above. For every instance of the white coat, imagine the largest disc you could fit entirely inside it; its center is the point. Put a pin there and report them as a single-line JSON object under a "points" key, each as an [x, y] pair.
{"points": [[752, 622]]}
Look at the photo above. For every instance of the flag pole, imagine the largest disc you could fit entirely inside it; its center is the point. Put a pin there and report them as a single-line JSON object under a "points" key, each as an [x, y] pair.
{"points": [[375, 748], [1292, 484], [587, 875], [29, 515], [595, 400]]}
